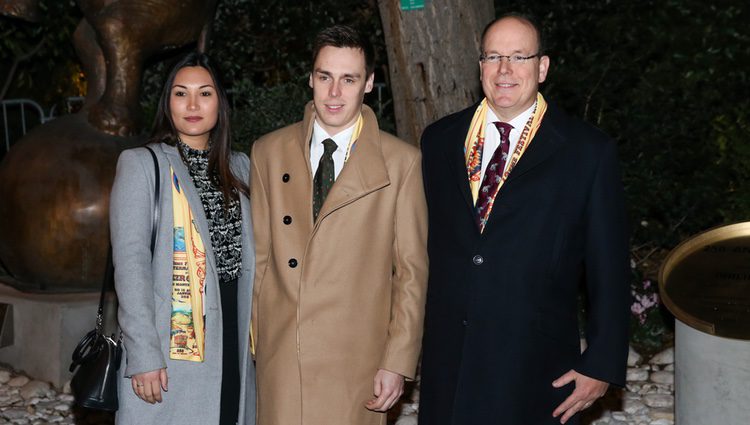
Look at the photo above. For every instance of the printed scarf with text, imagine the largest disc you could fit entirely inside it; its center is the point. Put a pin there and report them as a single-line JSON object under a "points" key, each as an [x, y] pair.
{"points": [[474, 145], [187, 336]]}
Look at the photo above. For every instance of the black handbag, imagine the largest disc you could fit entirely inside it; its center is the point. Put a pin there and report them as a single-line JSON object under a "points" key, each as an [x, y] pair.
{"points": [[97, 356]]}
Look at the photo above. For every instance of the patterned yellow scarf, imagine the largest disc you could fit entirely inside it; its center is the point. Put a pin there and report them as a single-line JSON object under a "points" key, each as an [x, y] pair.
{"points": [[474, 145], [355, 135], [187, 336]]}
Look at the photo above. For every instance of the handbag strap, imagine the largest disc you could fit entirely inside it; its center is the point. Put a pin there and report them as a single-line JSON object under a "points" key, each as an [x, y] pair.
{"points": [[155, 219], [106, 282], [110, 271]]}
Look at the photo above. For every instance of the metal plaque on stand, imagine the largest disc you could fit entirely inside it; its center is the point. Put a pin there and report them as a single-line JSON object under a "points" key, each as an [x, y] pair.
{"points": [[705, 281]]}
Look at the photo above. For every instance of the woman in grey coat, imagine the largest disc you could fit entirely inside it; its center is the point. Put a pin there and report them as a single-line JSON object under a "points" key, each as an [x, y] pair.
{"points": [[184, 309]]}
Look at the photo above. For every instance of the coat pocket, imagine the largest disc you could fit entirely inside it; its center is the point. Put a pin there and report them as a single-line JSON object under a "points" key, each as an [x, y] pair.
{"points": [[558, 327], [558, 247]]}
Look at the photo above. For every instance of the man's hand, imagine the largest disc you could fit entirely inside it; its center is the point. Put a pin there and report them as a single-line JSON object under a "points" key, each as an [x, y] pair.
{"points": [[388, 388], [586, 392], [148, 385]]}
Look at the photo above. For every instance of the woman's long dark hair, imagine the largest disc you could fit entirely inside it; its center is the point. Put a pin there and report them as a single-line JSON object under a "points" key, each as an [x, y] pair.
{"points": [[218, 159]]}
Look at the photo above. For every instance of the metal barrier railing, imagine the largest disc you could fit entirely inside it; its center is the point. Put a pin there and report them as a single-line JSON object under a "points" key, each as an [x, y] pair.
{"points": [[22, 105], [21, 109]]}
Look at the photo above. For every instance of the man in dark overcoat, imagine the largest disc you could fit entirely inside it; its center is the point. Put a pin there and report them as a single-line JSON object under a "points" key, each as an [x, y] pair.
{"points": [[525, 210]]}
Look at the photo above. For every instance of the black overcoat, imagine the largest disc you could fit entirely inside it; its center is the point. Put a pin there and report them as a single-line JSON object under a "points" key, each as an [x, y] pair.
{"points": [[501, 317]]}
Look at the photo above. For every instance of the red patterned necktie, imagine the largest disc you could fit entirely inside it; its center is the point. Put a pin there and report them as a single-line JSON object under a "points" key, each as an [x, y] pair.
{"points": [[493, 174]]}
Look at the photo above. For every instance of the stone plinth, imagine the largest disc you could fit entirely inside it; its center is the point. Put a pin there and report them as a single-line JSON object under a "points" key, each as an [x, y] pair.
{"points": [[46, 329], [711, 378]]}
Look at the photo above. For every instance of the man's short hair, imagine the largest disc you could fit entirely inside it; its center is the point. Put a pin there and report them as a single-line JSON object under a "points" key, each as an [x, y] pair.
{"points": [[345, 36], [529, 19]]}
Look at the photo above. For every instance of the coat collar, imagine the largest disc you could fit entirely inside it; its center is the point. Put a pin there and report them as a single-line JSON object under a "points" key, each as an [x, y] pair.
{"points": [[363, 173]]}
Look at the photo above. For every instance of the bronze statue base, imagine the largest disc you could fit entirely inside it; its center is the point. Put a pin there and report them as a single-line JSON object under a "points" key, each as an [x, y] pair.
{"points": [[54, 203]]}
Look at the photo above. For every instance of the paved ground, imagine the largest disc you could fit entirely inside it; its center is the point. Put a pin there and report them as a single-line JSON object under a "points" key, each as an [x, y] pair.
{"points": [[647, 400]]}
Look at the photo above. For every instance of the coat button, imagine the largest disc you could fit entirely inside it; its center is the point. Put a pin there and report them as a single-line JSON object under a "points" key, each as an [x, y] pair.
{"points": [[293, 263], [287, 219], [465, 322], [285, 177], [478, 260]]}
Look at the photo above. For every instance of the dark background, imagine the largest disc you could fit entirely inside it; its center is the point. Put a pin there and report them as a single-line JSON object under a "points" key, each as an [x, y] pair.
{"points": [[667, 79]]}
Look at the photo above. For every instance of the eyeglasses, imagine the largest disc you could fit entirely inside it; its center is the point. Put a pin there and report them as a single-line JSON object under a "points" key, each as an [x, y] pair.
{"points": [[512, 59]]}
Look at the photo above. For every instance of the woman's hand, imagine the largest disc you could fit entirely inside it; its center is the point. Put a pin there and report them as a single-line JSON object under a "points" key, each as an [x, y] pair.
{"points": [[149, 385]]}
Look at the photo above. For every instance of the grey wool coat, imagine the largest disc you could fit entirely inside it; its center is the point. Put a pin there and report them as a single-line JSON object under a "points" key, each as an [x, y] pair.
{"points": [[144, 288]]}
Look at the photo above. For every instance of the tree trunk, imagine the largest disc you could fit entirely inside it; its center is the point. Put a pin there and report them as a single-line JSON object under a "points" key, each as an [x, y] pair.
{"points": [[433, 57]]}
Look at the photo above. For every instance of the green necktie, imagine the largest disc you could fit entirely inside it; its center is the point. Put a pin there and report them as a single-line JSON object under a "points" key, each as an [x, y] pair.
{"points": [[324, 176]]}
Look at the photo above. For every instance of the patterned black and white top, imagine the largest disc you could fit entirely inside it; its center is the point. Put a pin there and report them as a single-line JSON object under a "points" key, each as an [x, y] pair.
{"points": [[224, 225]]}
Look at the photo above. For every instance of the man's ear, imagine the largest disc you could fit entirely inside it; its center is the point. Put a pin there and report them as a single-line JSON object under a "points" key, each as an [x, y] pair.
{"points": [[369, 83], [309, 81], [543, 68]]}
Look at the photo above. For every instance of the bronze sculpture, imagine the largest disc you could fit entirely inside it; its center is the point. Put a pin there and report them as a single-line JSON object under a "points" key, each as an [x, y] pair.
{"points": [[24, 9], [55, 183], [115, 39]]}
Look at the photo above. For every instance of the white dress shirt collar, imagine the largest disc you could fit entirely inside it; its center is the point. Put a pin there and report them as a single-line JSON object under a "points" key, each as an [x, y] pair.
{"points": [[342, 139]]}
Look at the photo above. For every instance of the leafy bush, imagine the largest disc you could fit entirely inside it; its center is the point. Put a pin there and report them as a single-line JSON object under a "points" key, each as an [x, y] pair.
{"points": [[668, 80], [651, 324], [47, 68], [260, 110]]}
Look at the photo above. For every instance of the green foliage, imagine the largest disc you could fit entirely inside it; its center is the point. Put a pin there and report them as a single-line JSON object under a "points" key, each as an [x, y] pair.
{"points": [[270, 42], [670, 85], [51, 69], [669, 81], [259, 110], [263, 49], [651, 324]]}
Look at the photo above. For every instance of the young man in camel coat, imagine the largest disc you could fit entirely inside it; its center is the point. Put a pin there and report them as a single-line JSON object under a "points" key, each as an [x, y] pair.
{"points": [[341, 269]]}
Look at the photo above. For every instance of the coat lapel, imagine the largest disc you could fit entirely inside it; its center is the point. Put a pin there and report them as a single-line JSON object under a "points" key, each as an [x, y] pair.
{"points": [[245, 288], [546, 142], [456, 157], [364, 172], [248, 244], [305, 135]]}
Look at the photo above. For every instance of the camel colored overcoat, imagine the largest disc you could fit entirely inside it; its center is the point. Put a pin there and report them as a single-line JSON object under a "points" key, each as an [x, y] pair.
{"points": [[337, 299]]}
